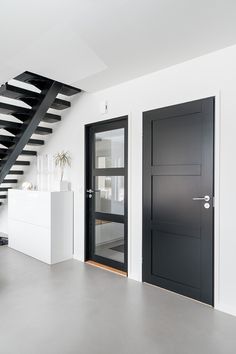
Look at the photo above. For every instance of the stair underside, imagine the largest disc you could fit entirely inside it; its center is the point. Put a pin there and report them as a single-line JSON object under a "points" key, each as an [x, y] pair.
{"points": [[8, 141], [25, 114], [16, 172], [5, 152], [16, 128], [4, 189], [10, 181], [30, 97], [16, 163], [42, 82]]}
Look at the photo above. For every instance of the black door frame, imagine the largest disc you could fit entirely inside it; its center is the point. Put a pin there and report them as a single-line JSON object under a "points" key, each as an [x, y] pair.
{"points": [[105, 125], [144, 270]]}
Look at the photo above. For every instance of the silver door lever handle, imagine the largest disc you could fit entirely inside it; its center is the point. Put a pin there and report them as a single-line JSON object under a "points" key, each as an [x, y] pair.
{"points": [[92, 190], [206, 198]]}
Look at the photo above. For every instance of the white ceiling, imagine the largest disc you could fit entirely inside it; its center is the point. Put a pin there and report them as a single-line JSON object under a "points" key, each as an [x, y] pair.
{"points": [[95, 44]]}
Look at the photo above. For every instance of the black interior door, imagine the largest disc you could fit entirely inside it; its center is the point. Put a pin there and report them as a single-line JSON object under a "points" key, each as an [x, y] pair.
{"points": [[106, 193], [178, 175]]}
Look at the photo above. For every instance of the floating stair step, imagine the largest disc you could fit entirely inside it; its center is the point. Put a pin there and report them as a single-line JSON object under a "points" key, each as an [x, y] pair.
{"points": [[4, 152], [3, 196], [15, 128], [42, 82], [60, 104], [68, 90], [4, 189], [49, 117], [6, 108], [3, 240], [16, 163], [10, 181], [30, 97], [8, 141], [21, 163], [18, 93], [38, 81], [11, 125], [16, 172], [34, 142], [43, 131], [28, 152]]}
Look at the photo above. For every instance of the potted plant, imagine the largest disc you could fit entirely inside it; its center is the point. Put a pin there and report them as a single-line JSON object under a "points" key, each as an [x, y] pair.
{"points": [[63, 159]]}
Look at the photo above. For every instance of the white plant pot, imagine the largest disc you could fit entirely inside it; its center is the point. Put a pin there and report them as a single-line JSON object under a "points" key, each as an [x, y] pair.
{"points": [[64, 186]]}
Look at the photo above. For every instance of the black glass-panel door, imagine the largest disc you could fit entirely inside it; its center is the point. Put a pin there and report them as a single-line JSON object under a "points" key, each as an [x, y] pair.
{"points": [[106, 193]]}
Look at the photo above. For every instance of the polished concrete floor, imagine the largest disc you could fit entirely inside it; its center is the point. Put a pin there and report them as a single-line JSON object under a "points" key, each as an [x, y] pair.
{"points": [[74, 308]]}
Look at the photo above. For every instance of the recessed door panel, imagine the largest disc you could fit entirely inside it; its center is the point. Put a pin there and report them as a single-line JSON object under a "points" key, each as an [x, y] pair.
{"points": [[185, 133], [177, 258], [171, 202]]}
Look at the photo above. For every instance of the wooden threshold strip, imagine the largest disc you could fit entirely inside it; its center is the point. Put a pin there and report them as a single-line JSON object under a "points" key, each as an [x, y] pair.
{"points": [[110, 269]]}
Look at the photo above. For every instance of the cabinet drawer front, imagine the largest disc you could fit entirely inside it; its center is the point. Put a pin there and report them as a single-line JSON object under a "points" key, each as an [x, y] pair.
{"points": [[30, 207], [30, 239]]}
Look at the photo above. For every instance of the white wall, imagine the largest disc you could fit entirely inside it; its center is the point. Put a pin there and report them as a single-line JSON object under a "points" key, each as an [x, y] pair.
{"points": [[213, 74]]}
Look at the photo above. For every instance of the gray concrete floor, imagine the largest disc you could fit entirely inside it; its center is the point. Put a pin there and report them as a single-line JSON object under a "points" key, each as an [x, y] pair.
{"points": [[73, 308]]}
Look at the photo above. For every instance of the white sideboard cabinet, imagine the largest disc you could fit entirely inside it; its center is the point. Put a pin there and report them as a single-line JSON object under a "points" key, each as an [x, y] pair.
{"points": [[41, 224]]}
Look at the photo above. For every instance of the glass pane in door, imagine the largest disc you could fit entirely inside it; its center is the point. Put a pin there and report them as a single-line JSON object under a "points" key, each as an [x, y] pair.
{"points": [[109, 196], [109, 148], [109, 240]]}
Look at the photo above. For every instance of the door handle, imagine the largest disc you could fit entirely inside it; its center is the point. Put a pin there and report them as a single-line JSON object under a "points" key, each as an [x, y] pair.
{"points": [[91, 191], [206, 198]]}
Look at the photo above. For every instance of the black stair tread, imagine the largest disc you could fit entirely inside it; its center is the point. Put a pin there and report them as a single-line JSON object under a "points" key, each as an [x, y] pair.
{"points": [[24, 113], [10, 181], [28, 96], [32, 78], [22, 163], [15, 92], [16, 172], [43, 131], [3, 196], [51, 118], [8, 124], [68, 90], [4, 189], [10, 140], [23, 152], [34, 142], [60, 104], [17, 163], [6, 108], [28, 153], [16, 128]]}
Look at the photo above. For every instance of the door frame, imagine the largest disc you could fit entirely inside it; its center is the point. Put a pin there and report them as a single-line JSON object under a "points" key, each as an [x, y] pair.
{"points": [[87, 162], [216, 185]]}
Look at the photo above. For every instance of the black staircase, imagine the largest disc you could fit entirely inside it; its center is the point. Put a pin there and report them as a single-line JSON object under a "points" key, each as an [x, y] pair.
{"points": [[29, 120]]}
